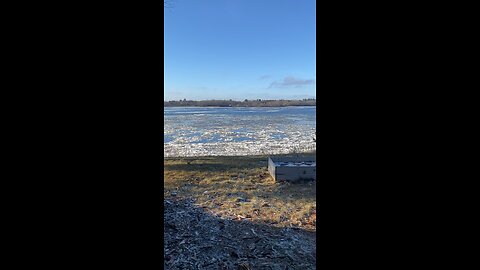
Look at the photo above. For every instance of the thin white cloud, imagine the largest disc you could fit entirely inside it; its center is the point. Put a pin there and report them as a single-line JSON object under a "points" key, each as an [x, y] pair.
{"points": [[291, 81]]}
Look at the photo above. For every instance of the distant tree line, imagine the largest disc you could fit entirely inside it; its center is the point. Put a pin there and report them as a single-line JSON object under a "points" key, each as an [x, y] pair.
{"points": [[245, 103]]}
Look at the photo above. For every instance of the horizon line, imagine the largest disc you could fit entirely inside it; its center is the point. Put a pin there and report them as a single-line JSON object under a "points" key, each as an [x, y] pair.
{"points": [[256, 99]]}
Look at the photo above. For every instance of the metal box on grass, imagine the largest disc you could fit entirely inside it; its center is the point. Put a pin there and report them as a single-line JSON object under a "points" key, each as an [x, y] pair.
{"points": [[292, 168]]}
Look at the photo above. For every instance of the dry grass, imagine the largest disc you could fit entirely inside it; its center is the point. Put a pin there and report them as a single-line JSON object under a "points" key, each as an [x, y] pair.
{"points": [[241, 188]]}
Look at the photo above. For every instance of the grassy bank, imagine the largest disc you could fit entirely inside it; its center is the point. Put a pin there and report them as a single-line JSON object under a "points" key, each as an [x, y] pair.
{"points": [[241, 188]]}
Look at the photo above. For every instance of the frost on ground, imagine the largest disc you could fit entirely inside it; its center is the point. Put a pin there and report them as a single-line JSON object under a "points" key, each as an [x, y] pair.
{"points": [[238, 131], [196, 239]]}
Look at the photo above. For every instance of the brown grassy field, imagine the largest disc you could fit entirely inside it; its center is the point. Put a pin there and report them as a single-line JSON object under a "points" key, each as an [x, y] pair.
{"points": [[241, 188]]}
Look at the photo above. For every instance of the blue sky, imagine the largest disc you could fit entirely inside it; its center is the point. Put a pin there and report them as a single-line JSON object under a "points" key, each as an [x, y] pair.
{"points": [[240, 49]]}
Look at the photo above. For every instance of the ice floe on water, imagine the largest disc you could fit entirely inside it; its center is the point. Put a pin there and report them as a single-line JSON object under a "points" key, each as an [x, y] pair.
{"points": [[238, 131]]}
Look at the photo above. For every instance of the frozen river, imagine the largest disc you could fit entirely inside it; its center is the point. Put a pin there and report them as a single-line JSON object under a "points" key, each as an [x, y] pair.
{"points": [[198, 131]]}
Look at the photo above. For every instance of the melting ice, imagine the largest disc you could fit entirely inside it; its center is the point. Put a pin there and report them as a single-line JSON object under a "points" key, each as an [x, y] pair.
{"points": [[238, 131]]}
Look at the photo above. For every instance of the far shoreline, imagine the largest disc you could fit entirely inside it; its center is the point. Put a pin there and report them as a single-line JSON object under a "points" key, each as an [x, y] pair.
{"points": [[240, 104], [213, 107]]}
